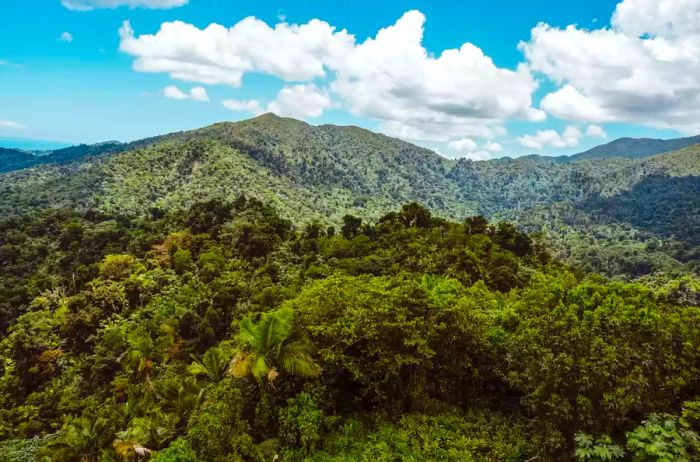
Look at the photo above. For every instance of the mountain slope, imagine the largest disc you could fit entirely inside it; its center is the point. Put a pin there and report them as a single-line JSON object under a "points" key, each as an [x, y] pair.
{"points": [[633, 148], [16, 159], [322, 173]]}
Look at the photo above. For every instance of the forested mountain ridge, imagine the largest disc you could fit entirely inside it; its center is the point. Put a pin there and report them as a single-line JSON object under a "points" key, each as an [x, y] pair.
{"points": [[269, 291], [17, 159], [325, 172], [294, 136], [633, 148]]}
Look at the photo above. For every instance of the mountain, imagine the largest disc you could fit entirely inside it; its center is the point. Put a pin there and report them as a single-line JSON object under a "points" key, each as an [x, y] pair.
{"points": [[203, 296], [633, 148], [16, 159], [306, 171], [325, 172]]}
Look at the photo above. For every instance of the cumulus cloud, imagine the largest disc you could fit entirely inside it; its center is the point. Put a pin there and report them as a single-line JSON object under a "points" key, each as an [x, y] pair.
{"points": [[299, 101], [199, 93], [596, 131], [463, 145], [550, 138], [469, 149], [493, 146], [252, 106], [88, 5], [10, 125], [390, 77], [393, 78], [66, 37], [196, 93], [220, 55], [643, 69]]}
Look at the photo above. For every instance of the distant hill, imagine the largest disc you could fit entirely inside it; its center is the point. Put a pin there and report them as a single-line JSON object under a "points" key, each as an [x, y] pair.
{"points": [[633, 148], [12, 159], [324, 172], [15, 159], [288, 136]]}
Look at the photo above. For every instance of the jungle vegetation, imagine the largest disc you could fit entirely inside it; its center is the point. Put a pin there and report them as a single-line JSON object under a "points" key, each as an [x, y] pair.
{"points": [[273, 291], [225, 332]]}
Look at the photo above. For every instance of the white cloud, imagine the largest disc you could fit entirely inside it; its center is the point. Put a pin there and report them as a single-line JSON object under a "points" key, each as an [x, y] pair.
{"points": [[493, 146], [10, 125], [196, 93], [469, 149], [479, 155], [199, 94], [441, 131], [393, 78], [643, 69], [66, 37], [217, 55], [662, 18], [88, 5], [252, 106], [550, 138], [171, 91], [300, 101], [596, 131], [390, 78], [463, 145]]}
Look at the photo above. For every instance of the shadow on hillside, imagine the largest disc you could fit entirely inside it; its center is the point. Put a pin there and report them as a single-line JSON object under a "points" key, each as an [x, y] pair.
{"points": [[668, 207]]}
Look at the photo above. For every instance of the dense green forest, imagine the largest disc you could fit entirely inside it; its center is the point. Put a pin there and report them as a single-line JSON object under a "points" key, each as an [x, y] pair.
{"points": [[625, 218], [269, 290], [225, 332]]}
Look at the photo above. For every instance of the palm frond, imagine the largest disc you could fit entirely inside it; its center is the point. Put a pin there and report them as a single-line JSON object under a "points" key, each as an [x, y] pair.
{"points": [[301, 364], [214, 364], [260, 368], [247, 333], [297, 347]]}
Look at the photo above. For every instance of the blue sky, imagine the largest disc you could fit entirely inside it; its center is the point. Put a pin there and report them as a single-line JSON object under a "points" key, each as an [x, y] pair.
{"points": [[67, 74]]}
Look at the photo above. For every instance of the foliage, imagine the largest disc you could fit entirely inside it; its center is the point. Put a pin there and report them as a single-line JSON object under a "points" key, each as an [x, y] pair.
{"points": [[641, 214], [476, 437], [597, 449], [268, 348], [223, 332]]}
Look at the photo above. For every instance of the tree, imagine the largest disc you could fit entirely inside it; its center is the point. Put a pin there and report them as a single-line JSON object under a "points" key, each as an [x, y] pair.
{"points": [[414, 214], [351, 226], [268, 347], [213, 364]]}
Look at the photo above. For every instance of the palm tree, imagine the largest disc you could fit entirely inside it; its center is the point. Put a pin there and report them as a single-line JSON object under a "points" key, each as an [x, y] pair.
{"points": [[269, 346], [83, 437], [213, 364]]}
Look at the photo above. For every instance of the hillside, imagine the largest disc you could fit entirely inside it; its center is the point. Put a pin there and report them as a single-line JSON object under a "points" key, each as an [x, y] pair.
{"points": [[268, 290], [309, 171], [633, 148], [324, 172], [16, 159]]}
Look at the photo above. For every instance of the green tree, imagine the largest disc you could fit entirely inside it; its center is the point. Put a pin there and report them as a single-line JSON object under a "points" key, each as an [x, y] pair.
{"points": [[270, 347]]}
